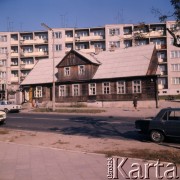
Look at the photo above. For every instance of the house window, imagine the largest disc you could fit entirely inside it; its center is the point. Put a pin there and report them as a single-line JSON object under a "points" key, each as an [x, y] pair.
{"points": [[75, 90], [137, 86], [81, 69], [175, 80], [58, 35], [67, 71], [106, 87], [58, 47], [38, 91], [27, 37], [121, 87], [92, 89], [62, 90]]}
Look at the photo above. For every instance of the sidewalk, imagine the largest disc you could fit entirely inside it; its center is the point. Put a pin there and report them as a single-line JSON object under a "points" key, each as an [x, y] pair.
{"points": [[25, 162]]}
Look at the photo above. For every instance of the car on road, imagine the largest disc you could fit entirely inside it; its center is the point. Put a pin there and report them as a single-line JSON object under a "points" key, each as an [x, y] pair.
{"points": [[7, 106], [2, 117], [165, 124]]}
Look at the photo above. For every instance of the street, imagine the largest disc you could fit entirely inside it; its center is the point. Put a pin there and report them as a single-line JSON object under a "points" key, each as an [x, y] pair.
{"points": [[93, 126]]}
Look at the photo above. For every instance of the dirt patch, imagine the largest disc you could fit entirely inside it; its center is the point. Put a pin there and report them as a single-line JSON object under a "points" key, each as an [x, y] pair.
{"points": [[129, 148]]}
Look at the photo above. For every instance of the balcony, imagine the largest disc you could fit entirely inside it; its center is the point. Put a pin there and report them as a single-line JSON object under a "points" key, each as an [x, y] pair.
{"points": [[90, 38], [162, 60], [26, 66], [162, 86], [40, 41], [14, 54], [163, 73], [14, 42], [14, 79], [69, 39], [26, 42]]}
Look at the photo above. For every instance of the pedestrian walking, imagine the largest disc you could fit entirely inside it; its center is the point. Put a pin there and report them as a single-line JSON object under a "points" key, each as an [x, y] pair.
{"points": [[135, 101]]}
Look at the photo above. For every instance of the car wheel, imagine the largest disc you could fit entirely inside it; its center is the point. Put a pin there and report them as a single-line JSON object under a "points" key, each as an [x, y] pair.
{"points": [[157, 136], [6, 110]]}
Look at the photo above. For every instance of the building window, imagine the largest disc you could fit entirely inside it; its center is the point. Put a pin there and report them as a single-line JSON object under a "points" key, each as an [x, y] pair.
{"points": [[3, 38], [92, 89], [27, 61], [66, 71], [98, 33], [3, 62], [62, 90], [115, 44], [24, 73], [82, 34], [14, 73], [28, 49], [81, 70], [27, 37], [175, 80], [14, 62], [2, 74], [106, 88], [175, 67], [58, 35], [58, 47], [3, 50], [174, 54], [137, 86], [75, 90], [38, 91], [121, 87], [114, 31]]}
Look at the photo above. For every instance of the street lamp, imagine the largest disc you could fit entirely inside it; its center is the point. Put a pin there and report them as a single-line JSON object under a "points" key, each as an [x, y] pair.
{"points": [[53, 83]]}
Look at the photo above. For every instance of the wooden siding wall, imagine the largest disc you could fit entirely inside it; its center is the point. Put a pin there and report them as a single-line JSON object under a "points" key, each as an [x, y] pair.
{"points": [[148, 91], [90, 70]]}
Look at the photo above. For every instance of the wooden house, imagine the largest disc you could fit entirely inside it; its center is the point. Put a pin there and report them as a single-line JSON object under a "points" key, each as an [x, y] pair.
{"points": [[116, 76]]}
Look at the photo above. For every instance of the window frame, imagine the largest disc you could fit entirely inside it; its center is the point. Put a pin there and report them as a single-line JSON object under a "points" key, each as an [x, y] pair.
{"points": [[106, 89], [121, 88], [92, 89], [137, 88], [67, 71], [62, 90], [38, 92], [75, 91]]}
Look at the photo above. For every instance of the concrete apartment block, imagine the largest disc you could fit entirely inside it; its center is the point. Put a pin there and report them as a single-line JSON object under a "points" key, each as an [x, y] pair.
{"points": [[19, 51]]}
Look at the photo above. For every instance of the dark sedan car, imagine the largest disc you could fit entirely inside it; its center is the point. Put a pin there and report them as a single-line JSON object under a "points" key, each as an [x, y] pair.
{"points": [[165, 124]]}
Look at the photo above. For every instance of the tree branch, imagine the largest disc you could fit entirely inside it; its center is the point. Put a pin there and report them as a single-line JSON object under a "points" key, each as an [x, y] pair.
{"points": [[175, 43]]}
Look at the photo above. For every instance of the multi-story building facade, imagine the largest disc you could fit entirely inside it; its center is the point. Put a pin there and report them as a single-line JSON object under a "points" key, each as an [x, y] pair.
{"points": [[19, 51]]}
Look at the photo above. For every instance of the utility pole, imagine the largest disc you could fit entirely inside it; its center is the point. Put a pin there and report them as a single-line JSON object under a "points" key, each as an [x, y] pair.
{"points": [[53, 68]]}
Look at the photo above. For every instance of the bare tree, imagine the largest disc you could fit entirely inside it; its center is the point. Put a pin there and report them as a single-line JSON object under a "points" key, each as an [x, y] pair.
{"points": [[175, 30]]}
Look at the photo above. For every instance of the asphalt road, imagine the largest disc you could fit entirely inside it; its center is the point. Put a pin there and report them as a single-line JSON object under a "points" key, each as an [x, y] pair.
{"points": [[91, 126]]}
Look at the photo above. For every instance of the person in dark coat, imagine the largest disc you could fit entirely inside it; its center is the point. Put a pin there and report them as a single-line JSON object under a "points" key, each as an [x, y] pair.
{"points": [[135, 101]]}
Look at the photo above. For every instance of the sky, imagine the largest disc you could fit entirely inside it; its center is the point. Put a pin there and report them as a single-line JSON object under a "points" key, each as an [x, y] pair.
{"points": [[27, 15]]}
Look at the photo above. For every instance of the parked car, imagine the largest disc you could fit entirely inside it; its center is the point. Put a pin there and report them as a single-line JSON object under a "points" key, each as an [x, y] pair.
{"points": [[7, 106], [165, 124], [2, 117]]}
